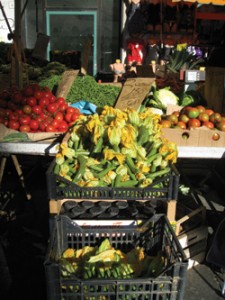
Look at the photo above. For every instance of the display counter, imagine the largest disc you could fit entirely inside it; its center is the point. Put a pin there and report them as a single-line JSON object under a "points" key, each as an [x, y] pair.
{"points": [[50, 148], [46, 148]]}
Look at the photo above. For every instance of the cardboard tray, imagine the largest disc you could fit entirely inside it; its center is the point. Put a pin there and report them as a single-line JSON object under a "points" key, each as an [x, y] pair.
{"points": [[197, 137]]}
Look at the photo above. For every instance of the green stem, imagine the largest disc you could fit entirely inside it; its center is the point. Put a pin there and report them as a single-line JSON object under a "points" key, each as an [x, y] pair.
{"points": [[131, 164], [158, 173]]}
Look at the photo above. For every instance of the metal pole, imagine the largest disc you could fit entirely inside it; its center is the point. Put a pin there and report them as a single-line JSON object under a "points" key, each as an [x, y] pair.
{"points": [[17, 41]]}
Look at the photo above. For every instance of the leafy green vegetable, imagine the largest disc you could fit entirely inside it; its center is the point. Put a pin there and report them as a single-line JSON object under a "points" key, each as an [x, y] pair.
{"points": [[86, 88], [182, 60], [192, 98], [16, 137], [52, 82], [160, 99]]}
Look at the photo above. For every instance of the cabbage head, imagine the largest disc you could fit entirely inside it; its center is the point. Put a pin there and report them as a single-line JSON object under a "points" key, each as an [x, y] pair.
{"points": [[164, 97]]}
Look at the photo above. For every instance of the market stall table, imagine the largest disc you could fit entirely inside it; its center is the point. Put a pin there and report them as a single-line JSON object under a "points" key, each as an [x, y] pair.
{"points": [[50, 148]]}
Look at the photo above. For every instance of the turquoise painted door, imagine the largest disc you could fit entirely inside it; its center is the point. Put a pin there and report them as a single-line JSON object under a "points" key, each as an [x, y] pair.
{"points": [[68, 31]]}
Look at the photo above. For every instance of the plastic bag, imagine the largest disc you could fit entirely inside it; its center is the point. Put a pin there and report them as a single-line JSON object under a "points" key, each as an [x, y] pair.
{"points": [[85, 107]]}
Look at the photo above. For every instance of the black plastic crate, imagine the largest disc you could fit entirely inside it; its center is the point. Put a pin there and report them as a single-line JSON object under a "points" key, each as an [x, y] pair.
{"points": [[155, 235], [61, 188]]}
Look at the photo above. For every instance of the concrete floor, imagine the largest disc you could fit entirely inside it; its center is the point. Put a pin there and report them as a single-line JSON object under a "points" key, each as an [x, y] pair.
{"points": [[26, 236]]}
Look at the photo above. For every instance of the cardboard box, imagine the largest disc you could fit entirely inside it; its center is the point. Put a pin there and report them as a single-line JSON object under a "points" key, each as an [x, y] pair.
{"points": [[197, 137]]}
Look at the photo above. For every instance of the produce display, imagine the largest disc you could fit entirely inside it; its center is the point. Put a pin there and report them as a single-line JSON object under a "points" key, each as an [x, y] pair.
{"points": [[194, 117], [86, 88], [160, 98], [105, 262], [35, 109], [115, 148]]}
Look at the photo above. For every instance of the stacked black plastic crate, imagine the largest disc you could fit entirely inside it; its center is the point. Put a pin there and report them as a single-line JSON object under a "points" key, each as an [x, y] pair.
{"points": [[98, 205]]}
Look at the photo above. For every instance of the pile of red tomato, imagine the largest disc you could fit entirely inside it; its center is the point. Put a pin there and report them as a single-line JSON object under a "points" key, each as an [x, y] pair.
{"points": [[194, 117], [35, 109]]}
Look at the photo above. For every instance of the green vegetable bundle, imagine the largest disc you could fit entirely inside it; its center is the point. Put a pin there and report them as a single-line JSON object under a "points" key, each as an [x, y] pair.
{"points": [[115, 148], [86, 88], [105, 262]]}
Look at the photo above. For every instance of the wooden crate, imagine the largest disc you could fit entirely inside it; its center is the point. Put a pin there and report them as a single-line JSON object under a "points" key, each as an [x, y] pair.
{"points": [[194, 239]]}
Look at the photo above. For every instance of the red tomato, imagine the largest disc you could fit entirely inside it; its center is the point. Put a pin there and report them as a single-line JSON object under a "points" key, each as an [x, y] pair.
{"points": [[60, 100], [24, 119], [28, 91], [194, 123], [43, 101], [37, 109], [13, 124], [74, 117], [55, 123], [24, 128], [208, 124], [68, 117], [70, 109], [52, 107], [46, 94], [63, 106], [181, 125], [52, 99], [50, 128], [185, 109], [32, 101], [209, 111], [38, 94], [200, 108], [63, 126], [13, 116], [19, 111], [59, 116], [17, 97], [27, 109], [34, 124], [43, 125]]}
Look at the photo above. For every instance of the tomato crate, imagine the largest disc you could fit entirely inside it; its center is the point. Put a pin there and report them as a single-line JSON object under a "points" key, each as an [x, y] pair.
{"points": [[155, 236], [164, 188]]}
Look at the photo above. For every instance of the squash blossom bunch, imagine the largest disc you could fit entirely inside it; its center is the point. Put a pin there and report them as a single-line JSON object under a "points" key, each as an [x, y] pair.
{"points": [[105, 262], [115, 148]]}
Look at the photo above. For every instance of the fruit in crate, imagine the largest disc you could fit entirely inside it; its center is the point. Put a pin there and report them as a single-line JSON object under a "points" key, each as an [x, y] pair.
{"points": [[35, 109], [194, 117]]}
